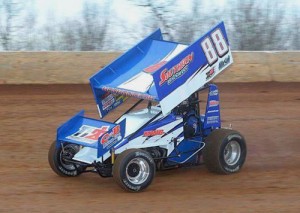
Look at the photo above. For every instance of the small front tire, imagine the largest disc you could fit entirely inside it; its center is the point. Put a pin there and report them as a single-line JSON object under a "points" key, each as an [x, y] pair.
{"points": [[134, 170], [56, 159]]}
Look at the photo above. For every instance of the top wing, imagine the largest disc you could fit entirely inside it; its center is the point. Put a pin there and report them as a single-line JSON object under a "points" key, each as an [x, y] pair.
{"points": [[192, 68], [162, 71]]}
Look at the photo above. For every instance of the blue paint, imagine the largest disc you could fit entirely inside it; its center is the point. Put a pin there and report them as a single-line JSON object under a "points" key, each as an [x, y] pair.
{"points": [[185, 150], [66, 132], [148, 52]]}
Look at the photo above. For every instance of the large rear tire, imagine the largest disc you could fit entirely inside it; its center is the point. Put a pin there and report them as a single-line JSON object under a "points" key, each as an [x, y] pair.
{"points": [[58, 163], [225, 151], [134, 170]]}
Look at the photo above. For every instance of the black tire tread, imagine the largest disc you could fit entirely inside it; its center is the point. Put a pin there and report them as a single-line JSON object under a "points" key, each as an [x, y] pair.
{"points": [[118, 163], [116, 170], [52, 159], [212, 150], [51, 155]]}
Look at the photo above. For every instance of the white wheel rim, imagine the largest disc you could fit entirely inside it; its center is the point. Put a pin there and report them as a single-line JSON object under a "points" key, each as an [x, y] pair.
{"points": [[137, 171], [232, 153]]}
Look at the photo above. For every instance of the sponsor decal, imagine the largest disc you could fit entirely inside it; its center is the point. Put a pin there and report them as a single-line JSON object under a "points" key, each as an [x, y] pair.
{"points": [[74, 173], [212, 119], [230, 137], [119, 100], [108, 101], [105, 95], [214, 93], [128, 93], [210, 44], [232, 170], [110, 138], [223, 63], [212, 111], [213, 103], [130, 186], [153, 133], [170, 75], [141, 154], [154, 67], [88, 134], [210, 73]]}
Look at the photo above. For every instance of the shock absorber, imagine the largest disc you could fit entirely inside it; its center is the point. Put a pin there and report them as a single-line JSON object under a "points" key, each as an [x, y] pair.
{"points": [[112, 152]]}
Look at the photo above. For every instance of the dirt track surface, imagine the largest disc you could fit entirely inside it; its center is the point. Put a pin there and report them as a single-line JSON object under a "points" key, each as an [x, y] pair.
{"points": [[268, 114]]}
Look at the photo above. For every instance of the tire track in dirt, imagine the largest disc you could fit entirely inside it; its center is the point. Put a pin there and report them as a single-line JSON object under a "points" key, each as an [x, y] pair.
{"points": [[269, 181]]}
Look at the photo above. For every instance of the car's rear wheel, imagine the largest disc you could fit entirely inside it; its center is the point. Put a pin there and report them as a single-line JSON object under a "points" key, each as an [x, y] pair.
{"points": [[134, 170], [225, 151], [58, 160]]}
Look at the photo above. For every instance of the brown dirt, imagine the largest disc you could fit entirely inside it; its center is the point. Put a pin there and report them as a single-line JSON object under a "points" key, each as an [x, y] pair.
{"points": [[268, 114]]}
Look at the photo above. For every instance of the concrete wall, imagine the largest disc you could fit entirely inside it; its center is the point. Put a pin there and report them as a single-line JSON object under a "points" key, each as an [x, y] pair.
{"points": [[77, 67], [263, 66]]}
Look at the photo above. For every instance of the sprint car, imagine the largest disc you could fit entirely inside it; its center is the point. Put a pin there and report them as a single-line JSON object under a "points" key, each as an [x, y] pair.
{"points": [[165, 128]]}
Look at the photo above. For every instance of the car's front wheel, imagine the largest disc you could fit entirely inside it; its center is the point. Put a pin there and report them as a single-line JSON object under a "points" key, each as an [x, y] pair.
{"points": [[58, 160], [134, 170]]}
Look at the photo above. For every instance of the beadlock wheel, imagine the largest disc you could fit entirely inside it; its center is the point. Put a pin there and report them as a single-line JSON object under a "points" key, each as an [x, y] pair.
{"points": [[58, 160], [137, 170], [232, 153], [225, 151], [134, 170]]}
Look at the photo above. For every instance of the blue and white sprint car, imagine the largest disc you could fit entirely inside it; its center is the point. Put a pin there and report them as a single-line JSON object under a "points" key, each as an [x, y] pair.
{"points": [[168, 131]]}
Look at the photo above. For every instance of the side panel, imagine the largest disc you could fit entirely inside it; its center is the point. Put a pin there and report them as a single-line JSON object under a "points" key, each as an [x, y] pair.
{"points": [[193, 68], [64, 128], [107, 101], [83, 131], [111, 138], [212, 114], [186, 152], [159, 133]]}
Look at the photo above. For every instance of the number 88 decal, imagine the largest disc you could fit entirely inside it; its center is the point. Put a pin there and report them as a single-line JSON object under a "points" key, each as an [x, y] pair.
{"points": [[218, 44]]}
